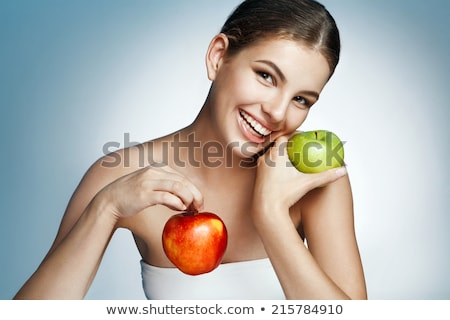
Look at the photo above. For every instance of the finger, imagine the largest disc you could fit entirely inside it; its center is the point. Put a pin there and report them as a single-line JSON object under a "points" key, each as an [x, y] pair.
{"points": [[197, 202], [189, 193], [281, 140], [277, 154], [194, 199], [169, 200], [326, 177], [181, 187]]}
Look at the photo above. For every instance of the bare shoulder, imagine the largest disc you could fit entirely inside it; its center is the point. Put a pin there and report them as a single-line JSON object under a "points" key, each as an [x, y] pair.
{"points": [[101, 173], [321, 205], [108, 169], [327, 217], [337, 195]]}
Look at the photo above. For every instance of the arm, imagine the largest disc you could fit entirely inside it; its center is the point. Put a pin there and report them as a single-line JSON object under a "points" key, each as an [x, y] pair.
{"points": [[70, 266], [328, 221], [330, 267], [102, 199]]}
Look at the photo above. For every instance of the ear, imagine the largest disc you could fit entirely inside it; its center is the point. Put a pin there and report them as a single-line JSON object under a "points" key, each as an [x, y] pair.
{"points": [[215, 55]]}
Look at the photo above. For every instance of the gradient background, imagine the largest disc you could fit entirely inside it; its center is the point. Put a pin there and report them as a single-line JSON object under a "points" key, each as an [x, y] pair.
{"points": [[75, 75]]}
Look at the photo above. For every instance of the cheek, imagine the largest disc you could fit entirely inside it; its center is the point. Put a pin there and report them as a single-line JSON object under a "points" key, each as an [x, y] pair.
{"points": [[295, 118], [240, 88], [243, 92]]}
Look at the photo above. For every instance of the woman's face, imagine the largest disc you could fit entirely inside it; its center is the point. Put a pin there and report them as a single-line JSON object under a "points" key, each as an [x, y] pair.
{"points": [[266, 91]]}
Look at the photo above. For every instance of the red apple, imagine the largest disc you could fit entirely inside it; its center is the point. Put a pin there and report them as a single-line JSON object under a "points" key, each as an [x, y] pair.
{"points": [[195, 242]]}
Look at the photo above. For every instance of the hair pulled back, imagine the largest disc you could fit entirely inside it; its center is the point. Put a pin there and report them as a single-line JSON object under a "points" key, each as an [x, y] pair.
{"points": [[306, 21]]}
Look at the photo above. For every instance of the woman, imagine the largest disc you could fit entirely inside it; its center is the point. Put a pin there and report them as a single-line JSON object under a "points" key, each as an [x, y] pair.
{"points": [[268, 66]]}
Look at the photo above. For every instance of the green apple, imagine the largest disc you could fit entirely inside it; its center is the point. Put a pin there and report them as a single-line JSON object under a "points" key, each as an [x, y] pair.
{"points": [[315, 151]]}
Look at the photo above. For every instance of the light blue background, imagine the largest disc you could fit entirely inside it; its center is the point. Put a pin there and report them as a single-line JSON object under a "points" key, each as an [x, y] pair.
{"points": [[77, 74]]}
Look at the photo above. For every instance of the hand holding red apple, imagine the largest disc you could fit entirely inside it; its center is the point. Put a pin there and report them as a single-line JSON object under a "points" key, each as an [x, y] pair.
{"points": [[195, 242], [149, 186]]}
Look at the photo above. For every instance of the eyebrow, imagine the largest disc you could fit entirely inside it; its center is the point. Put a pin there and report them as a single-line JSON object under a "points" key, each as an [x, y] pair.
{"points": [[312, 93], [283, 77], [275, 68]]}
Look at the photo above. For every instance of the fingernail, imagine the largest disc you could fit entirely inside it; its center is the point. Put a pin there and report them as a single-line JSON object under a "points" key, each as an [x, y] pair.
{"points": [[342, 171]]}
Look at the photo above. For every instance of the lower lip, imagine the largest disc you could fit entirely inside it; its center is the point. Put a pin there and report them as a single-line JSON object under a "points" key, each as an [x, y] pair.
{"points": [[247, 132]]}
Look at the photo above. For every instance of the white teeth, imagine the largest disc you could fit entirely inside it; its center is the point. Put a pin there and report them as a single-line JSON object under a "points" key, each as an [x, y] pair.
{"points": [[255, 124]]}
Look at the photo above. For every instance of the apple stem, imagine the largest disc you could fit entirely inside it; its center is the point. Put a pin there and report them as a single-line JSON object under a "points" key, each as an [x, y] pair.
{"points": [[190, 211], [316, 134]]}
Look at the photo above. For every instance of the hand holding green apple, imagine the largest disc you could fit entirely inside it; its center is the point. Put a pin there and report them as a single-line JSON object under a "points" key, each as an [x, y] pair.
{"points": [[315, 151]]}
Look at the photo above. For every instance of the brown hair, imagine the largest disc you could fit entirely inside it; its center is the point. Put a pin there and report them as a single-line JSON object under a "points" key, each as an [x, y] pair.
{"points": [[302, 20]]}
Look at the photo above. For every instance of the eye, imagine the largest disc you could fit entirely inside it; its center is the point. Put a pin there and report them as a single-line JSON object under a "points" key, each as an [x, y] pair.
{"points": [[302, 101], [266, 76]]}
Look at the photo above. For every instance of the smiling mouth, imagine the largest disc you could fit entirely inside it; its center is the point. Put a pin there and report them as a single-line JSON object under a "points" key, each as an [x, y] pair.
{"points": [[256, 127]]}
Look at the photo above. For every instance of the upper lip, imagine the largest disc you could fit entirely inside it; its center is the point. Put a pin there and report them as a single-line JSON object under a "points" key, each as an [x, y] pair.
{"points": [[263, 123]]}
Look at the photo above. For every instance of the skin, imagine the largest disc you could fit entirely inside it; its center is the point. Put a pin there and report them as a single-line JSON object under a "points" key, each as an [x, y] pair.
{"points": [[276, 81]]}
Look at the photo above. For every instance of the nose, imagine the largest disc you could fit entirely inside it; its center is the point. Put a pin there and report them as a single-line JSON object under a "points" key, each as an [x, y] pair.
{"points": [[276, 109]]}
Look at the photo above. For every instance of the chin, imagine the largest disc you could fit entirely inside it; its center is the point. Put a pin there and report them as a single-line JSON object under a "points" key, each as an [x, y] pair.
{"points": [[248, 153]]}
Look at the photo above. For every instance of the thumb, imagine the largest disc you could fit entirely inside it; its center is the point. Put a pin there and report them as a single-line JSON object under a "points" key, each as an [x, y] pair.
{"points": [[323, 178]]}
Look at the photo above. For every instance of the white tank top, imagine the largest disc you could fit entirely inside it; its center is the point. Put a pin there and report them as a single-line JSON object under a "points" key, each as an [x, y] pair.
{"points": [[247, 280]]}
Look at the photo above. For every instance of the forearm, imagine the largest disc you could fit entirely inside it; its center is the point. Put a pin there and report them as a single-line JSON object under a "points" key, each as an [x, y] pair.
{"points": [[299, 274], [68, 271]]}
